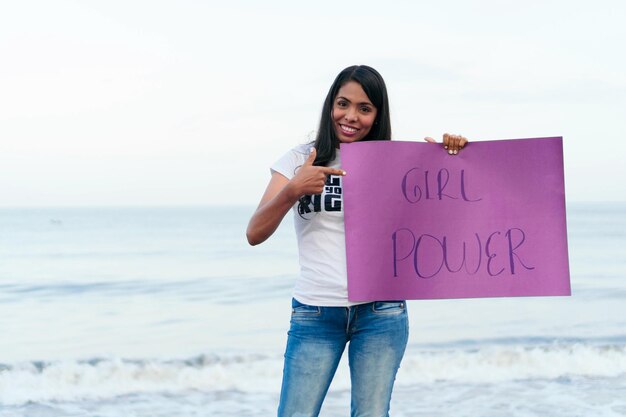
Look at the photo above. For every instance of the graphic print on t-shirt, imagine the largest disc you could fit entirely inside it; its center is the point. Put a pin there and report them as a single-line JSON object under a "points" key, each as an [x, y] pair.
{"points": [[329, 200]]}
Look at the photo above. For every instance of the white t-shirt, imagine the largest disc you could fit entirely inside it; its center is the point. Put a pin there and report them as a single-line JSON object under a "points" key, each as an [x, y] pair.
{"points": [[323, 279]]}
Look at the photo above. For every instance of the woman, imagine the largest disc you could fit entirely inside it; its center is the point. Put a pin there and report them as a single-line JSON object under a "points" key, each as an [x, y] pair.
{"points": [[309, 180]]}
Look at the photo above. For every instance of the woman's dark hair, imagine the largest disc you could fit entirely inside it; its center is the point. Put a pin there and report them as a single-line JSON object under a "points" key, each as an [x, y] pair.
{"points": [[373, 85]]}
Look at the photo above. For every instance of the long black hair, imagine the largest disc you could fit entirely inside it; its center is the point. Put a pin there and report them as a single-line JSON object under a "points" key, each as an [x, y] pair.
{"points": [[373, 85]]}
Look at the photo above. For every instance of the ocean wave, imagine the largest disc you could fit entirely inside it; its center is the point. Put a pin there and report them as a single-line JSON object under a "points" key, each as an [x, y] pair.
{"points": [[111, 377], [233, 288]]}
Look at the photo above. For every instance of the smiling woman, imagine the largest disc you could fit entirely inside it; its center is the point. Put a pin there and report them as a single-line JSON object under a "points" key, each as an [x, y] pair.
{"points": [[323, 321], [357, 99], [353, 113]]}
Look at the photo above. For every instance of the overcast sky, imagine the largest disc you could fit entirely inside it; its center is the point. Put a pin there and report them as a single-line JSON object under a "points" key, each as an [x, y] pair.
{"points": [[189, 102]]}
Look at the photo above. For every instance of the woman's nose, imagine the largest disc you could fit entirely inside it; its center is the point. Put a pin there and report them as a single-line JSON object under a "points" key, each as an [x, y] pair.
{"points": [[351, 115]]}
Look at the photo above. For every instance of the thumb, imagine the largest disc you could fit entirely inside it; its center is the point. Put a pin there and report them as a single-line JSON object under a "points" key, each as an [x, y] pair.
{"points": [[311, 157], [430, 140]]}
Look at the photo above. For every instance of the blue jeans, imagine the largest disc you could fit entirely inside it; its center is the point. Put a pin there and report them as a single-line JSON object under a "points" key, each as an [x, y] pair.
{"points": [[378, 334]]}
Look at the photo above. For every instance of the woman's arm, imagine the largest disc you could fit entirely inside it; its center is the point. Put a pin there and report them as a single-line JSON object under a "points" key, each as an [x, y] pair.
{"points": [[281, 194], [275, 203]]}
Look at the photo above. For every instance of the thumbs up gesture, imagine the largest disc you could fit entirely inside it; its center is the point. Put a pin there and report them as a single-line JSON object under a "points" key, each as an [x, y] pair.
{"points": [[310, 179]]}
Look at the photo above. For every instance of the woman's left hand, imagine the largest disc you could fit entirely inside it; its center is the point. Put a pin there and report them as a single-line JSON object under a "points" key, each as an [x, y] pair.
{"points": [[453, 143]]}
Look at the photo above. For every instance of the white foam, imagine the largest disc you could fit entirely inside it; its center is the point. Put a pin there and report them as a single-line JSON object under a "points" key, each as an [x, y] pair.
{"points": [[107, 378], [506, 363]]}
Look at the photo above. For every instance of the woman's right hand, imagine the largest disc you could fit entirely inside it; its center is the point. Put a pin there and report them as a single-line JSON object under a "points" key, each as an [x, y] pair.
{"points": [[310, 179], [281, 194]]}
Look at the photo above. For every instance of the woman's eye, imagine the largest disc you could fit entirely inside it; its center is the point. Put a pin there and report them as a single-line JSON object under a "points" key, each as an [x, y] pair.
{"points": [[341, 104], [366, 109]]}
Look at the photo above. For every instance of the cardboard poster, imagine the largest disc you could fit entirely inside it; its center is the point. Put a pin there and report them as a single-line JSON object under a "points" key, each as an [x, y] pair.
{"points": [[488, 222]]}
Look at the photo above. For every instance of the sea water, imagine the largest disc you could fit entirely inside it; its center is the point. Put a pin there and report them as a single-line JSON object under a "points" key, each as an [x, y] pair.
{"points": [[168, 312]]}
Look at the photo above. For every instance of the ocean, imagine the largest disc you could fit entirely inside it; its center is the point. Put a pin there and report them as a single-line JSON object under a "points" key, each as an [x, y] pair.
{"points": [[166, 311]]}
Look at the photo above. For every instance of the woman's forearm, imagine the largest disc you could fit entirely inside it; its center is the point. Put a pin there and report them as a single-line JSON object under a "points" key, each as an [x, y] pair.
{"points": [[269, 215]]}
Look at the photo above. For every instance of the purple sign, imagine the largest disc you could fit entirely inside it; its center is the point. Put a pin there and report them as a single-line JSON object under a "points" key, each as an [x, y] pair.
{"points": [[488, 222]]}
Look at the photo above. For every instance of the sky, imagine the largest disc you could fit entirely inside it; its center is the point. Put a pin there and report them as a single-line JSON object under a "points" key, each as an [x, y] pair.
{"points": [[140, 103]]}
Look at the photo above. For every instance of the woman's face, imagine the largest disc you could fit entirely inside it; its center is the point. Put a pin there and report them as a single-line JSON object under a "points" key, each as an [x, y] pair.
{"points": [[353, 113]]}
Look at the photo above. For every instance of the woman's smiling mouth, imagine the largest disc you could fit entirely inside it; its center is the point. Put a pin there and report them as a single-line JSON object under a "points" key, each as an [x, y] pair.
{"points": [[348, 129]]}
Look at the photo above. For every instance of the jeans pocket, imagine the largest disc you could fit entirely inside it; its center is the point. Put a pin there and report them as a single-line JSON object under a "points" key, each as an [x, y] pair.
{"points": [[304, 310], [389, 307]]}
